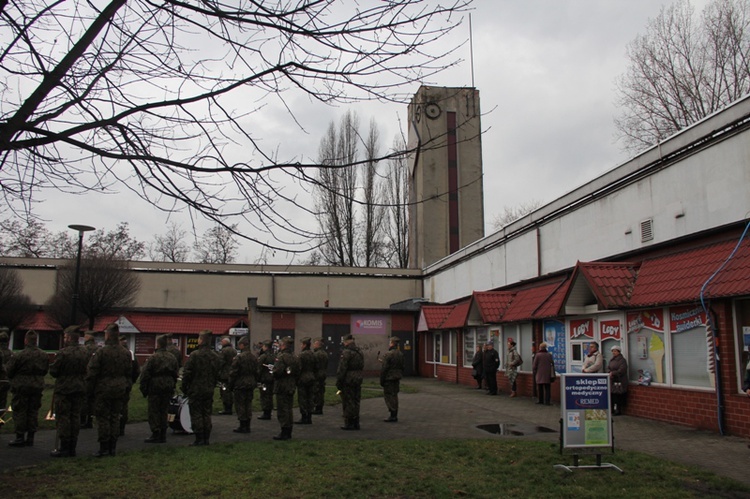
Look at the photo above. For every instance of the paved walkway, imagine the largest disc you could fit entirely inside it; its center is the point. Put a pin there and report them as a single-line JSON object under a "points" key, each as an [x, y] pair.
{"points": [[438, 410]]}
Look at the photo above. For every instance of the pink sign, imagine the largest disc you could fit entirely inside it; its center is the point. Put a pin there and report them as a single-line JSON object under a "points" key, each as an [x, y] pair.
{"points": [[369, 324], [651, 319]]}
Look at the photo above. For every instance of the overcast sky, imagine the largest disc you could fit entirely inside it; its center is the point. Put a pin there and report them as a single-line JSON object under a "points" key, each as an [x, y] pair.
{"points": [[545, 71]]}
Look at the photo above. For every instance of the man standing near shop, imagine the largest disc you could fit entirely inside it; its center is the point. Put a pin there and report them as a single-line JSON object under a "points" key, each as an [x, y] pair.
{"points": [[108, 377], [5, 355], [285, 372], [69, 371], [228, 353], [26, 371], [349, 382], [243, 377], [391, 372], [199, 377], [490, 362], [266, 360], [321, 373], [158, 380], [306, 381]]}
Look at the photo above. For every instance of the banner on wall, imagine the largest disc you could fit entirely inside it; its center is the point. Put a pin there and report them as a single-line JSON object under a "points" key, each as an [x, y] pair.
{"points": [[586, 410], [369, 324], [610, 330], [554, 337], [582, 329], [686, 318], [650, 319]]}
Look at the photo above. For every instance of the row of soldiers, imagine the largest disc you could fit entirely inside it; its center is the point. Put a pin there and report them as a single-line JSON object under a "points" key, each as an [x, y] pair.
{"points": [[105, 375]]}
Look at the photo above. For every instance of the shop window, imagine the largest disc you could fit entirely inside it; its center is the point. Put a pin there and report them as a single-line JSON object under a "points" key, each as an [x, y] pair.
{"points": [[690, 358], [429, 346], [448, 348], [742, 328], [646, 351], [524, 346], [472, 338]]}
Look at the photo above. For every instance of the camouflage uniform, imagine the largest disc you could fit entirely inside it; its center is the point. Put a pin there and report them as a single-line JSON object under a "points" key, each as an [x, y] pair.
{"points": [[87, 412], [199, 378], [306, 382], [134, 373], [243, 377], [175, 351], [5, 355], [321, 372], [285, 372], [227, 353], [108, 378], [266, 358], [69, 371], [349, 382], [390, 378], [158, 379], [26, 371]]}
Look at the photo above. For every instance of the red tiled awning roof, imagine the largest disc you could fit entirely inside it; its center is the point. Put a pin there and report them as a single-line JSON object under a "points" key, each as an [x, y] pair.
{"points": [[433, 316], [678, 278], [611, 283], [41, 322], [456, 319], [553, 305], [527, 301], [492, 304]]}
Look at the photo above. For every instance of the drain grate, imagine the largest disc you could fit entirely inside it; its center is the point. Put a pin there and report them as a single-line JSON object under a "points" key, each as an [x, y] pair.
{"points": [[513, 429]]}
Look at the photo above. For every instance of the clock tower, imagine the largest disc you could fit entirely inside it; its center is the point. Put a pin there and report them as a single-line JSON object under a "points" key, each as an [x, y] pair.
{"points": [[446, 194]]}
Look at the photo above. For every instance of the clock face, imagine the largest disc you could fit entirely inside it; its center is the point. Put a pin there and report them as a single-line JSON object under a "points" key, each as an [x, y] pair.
{"points": [[432, 110]]}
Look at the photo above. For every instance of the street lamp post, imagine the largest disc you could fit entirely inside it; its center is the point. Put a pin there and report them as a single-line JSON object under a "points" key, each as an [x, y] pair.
{"points": [[81, 229]]}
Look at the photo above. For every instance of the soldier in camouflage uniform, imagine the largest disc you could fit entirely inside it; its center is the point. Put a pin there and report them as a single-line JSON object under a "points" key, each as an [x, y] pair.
{"points": [[227, 353], [306, 382], [321, 372], [107, 379], [174, 350], [390, 377], [285, 373], [87, 412], [158, 379], [134, 373], [243, 377], [199, 378], [349, 382], [69, 371], [5, 355], [26, 371], [266, 359]]}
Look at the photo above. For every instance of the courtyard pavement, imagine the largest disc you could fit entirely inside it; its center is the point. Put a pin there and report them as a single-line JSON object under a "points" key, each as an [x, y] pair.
{"points": [[439, 410]]}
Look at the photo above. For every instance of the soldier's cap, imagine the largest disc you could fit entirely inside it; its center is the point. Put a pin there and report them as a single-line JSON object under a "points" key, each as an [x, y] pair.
{"points": [[319, 340], [244, 341], [205, 335], [266, 343], [395, 339], [306, 340], [348, 337], [71, 329], [287, 340], [161, 340], [4, 337]]}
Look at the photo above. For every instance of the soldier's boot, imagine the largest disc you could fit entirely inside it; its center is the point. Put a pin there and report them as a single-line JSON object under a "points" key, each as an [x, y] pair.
{"points": [[113, 447], [155, 438], [286, 434], [356, 423], [29, 438], [302, 418], [392, 418], [244, 426], [19, 441], [163, 435], [206, 436], [198, 440], [227, 410], [103, 449], [63, 450], [122, 427], [318, 410], [348, 424], [265, 415], [73, 442]]}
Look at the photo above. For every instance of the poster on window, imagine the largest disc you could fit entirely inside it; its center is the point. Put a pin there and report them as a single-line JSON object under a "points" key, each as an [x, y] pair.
{"points": [[586, 410], [554, 337]]}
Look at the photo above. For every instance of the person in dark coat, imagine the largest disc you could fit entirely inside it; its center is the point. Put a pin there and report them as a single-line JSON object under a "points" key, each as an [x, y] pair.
{"points": [[158, 381], [321, 373], [349, 382], [227, 354], [391, 372], [108, 378], [243, 376], [266, 360], [199, 378], [26, 371], [544, 368], [476, 364], [306, 381], [490, 363], [69, 371], [618, 377], [286, 370]]}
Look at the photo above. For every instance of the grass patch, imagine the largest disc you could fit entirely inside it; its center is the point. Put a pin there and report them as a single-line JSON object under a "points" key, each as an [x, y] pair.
{"points": [[363, 468]]}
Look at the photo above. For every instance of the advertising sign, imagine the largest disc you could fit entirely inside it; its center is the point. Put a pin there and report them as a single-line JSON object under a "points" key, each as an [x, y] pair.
{"points": [[586, 410], [554, 336], [369, 324]]}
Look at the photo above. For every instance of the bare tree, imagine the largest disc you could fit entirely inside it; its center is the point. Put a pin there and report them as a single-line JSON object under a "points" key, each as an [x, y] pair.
{"points": [[373, 210], [147, 95], [512, 213], [217, 245], [24, 239], [683, 69], [170, 247], [116, 244], [15, 307], [106, 284], [397, 199]]}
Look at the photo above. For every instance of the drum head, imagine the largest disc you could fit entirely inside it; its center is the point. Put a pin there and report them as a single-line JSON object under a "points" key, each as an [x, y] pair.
{"points": [[185, 417]]}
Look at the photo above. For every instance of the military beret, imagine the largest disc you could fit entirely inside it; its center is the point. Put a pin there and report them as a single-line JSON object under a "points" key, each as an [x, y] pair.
{"points": [[244, 341], [266, 343], [205, 335], [320, 340], [348, 337], [4, 337], [395, 339], [306, 340], [161, 340], [71, 329], [287, 340]]}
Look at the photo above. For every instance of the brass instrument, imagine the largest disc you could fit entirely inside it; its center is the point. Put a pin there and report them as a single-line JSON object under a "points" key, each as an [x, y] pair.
{"points": [[3, 412], [51, 413]]}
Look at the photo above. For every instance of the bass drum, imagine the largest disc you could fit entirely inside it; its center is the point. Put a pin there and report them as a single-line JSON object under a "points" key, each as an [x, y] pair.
{"points": [[179, 415]]}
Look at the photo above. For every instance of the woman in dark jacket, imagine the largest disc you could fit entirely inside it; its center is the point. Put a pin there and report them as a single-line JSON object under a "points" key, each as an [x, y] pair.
{"points": [[618, 374], [476, 363], [544, 367]]}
